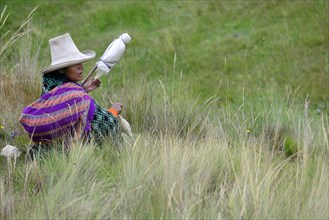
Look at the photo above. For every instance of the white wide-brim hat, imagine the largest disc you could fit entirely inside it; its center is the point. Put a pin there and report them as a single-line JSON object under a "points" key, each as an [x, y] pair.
{"points": [[64, 53]]}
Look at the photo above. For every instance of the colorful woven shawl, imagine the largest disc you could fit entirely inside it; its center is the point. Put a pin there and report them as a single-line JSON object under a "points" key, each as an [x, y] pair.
{"points": [[104, 124], [57, 113]]}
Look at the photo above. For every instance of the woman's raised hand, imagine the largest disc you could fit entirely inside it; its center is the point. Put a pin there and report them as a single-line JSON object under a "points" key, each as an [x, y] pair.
{"points": [[91, 85]]}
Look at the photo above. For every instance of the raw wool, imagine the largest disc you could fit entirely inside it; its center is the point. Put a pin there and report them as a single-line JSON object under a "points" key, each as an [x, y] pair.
{"points": [[113, 54], [110, 57], [125, 126], [10, 151]]}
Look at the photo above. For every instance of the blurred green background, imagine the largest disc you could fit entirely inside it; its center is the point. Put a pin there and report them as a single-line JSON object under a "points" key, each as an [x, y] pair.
{"points": [[227, 49]]}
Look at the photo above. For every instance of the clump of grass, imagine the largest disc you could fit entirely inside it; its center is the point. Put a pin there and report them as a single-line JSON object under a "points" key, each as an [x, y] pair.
{"points": [[20, 83], [154, 109], [9, 38], [290, 146]]}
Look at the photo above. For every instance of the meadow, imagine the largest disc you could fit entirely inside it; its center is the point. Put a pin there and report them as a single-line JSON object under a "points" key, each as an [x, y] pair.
{"points": [[228, 102]]}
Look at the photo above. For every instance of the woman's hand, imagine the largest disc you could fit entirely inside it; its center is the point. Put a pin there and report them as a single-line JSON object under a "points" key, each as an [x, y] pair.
{"points": [[117, 106], [91, 85]]}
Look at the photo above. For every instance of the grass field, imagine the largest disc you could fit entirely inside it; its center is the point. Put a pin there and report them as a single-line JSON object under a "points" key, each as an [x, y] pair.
{"points": [[228, 101]]}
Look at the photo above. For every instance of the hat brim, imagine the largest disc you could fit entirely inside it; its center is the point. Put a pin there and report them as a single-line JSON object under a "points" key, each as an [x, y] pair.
{"points": [[88, 55]]}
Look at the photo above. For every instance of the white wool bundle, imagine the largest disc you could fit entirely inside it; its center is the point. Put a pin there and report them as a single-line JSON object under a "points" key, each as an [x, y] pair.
{"points": [[10, 151], [115, 50], [112, 55], [125, 126]]}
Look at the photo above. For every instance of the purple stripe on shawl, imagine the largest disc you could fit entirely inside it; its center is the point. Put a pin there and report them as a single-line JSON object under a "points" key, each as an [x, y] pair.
{"points": [[58, 112]]}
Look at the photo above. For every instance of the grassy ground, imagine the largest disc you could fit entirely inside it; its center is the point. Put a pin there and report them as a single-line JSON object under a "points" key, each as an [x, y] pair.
{"points": [[216, 47], [228, 102]]}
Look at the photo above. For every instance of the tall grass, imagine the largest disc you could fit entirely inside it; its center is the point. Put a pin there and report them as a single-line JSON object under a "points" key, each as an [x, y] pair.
{"points": [[171, 176], [258, 157], [19, 81]]}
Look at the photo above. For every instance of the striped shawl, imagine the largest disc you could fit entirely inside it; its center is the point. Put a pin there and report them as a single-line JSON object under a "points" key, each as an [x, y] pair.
{"points": [[57, 113]]}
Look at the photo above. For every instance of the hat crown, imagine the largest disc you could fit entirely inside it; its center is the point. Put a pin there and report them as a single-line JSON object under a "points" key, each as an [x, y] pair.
{"points": [[65, 53], [62, 48]]}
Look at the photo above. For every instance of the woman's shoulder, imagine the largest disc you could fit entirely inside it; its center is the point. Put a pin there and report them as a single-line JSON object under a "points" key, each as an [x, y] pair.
{"points": [[68, 86], [71, 85], [67, 89]]}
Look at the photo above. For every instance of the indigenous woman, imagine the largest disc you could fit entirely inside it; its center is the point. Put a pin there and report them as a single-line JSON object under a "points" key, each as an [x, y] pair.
{"points": [[65, 111]]}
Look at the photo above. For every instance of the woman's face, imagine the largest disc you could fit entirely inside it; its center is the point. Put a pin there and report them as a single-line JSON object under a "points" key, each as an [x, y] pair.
{"points": [[74, 72]]}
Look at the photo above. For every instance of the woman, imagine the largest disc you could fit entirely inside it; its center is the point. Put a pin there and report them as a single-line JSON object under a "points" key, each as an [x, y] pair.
{"points": [[65, 111]]}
